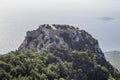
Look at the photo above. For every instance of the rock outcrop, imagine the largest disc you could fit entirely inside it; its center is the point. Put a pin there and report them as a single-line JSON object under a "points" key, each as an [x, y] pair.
{"points": [[53, 36]]}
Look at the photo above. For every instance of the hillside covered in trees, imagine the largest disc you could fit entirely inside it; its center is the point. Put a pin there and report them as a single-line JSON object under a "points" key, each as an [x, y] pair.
{"points": [[58, 65]]}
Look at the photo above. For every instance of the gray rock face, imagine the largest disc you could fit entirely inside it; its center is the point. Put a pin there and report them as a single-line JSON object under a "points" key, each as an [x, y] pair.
{"points": [[54, 36]]}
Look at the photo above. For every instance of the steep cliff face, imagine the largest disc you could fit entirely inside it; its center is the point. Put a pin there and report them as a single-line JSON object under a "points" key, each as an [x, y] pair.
{"points": [[53, 36]]}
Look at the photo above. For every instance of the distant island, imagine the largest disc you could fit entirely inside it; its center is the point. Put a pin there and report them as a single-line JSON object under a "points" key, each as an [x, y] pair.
{"points": [[114, 58]]}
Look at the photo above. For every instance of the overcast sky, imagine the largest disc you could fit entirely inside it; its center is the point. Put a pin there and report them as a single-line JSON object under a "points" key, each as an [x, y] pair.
{"points": [[101, 18]]}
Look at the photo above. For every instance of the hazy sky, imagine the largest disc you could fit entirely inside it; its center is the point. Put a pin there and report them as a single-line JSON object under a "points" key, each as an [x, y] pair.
{"points": [[101, 18]]}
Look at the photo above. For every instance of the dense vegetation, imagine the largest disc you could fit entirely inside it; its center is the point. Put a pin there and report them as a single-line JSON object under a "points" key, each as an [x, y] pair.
{"points": [[57, 65]]}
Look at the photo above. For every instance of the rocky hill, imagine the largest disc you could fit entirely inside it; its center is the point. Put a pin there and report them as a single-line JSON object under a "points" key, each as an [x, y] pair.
{"points": [[57, 52]]}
